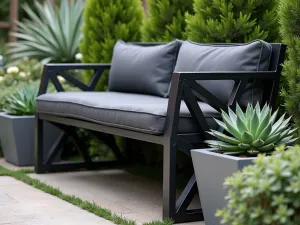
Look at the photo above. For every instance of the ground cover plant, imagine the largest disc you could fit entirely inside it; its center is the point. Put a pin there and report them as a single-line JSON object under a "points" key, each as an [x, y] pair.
{"points": [[266, 192]]}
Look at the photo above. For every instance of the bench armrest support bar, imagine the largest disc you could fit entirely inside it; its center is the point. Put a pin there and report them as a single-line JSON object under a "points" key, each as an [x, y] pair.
{"points": [[185, 88], [51, 71]]}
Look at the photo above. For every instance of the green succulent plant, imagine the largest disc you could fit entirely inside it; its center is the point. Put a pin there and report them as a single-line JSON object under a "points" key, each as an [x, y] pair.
{"points": [[49, 34], [22, 102], [266, 193], [252, 132]]}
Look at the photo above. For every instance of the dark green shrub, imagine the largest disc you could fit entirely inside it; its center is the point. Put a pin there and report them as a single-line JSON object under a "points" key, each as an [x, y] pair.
{"points": [[233, 21], [266, 192], [289, 15], [104, 23], [166, 20]]}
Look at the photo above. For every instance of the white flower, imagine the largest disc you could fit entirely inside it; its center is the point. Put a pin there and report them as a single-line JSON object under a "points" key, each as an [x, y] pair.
{"points": [[22, 74], [61, 79], [1, 57], [78, 56], [1, 79], [12, 70]]}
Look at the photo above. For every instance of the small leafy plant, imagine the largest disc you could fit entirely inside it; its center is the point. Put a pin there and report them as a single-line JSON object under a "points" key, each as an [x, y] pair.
{"points": [[266, 192], [252, 132], [22, 102]]}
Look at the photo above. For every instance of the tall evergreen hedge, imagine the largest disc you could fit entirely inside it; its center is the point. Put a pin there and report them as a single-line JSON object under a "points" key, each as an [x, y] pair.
{"points": [[104, 23], [166, 20], [289, 17], [233, 21]]}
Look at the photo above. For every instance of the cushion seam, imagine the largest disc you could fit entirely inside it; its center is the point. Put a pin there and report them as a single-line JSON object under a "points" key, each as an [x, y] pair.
{"points": [[99, 121], [183, 116]]}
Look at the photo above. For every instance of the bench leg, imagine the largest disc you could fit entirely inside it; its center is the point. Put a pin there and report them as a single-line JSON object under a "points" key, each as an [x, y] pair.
{"points": [[173, 208], [169, 180], [46, 162], [38, 149]]}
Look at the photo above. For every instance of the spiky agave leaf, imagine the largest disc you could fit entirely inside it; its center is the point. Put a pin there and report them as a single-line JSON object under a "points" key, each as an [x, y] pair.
{"points": [[49, 34], [22, 103], [252, 132]]}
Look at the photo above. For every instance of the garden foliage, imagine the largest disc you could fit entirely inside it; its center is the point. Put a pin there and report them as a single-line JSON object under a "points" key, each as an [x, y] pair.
{"points": [[167, 20], [289, 15], [252, 132], [266, 192], [104, 23], [238, 21], [50, 34], [22, 103], [4, 14]]}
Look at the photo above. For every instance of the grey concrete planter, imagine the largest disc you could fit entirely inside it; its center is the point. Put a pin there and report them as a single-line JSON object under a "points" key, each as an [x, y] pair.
{"points": [[211, 169], [17, 138]]}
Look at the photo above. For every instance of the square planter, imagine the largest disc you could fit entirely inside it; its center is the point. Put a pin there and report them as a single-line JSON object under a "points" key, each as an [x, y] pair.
{"points": [[211, 169], [17, 138]]}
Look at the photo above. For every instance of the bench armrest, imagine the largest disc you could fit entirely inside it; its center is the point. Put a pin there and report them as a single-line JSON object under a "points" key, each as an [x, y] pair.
{"points": [[184, 87], [241, 78], [52, 71]]}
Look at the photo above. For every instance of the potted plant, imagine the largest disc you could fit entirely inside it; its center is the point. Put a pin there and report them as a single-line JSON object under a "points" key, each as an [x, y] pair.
{"points": [[246, 135], [17, 139], [266, 192]]}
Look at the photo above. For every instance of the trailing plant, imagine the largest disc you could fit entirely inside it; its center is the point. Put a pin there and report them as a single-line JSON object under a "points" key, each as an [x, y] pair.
{"points": [[50, 35], [166, 20], [289, 15], [266, 192], [233, 21], [104, 23], [255, 131], [22, 103]]}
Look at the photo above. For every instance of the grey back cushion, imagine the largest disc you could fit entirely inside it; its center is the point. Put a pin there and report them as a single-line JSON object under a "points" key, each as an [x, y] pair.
{"points": [[141, 69], [254, 56]]}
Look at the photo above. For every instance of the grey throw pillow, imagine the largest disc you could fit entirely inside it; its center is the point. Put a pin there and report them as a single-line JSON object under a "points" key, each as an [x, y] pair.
{"points": [[141, 69], [254, 56]]}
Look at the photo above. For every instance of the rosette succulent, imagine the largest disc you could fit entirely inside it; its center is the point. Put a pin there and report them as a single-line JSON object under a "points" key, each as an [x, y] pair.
{"points": [[22, 102], [255, 131]]}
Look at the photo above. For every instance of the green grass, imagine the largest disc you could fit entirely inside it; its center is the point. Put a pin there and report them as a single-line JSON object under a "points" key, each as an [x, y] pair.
{"points": [[88, 206]]}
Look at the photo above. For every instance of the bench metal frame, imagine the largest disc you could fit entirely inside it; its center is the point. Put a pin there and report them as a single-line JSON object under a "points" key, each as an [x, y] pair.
{"points": [[183, 88]]}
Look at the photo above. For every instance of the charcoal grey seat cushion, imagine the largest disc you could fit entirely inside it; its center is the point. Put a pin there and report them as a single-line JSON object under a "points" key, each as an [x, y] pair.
{"points": [[143, 113], [143, 69], [254, 56]]}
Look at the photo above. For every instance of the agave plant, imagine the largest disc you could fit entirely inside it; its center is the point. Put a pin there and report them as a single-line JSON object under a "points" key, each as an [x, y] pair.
{"points": [[22, 102], [49, 34], [252, 132]]}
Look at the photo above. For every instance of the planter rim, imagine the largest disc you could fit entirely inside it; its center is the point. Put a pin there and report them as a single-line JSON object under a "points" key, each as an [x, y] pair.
{"points": [[4, 114], [209, 151]]}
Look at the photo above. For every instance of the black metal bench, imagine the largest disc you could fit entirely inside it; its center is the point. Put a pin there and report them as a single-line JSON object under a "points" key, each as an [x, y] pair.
{"points": [[183, 99]]}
